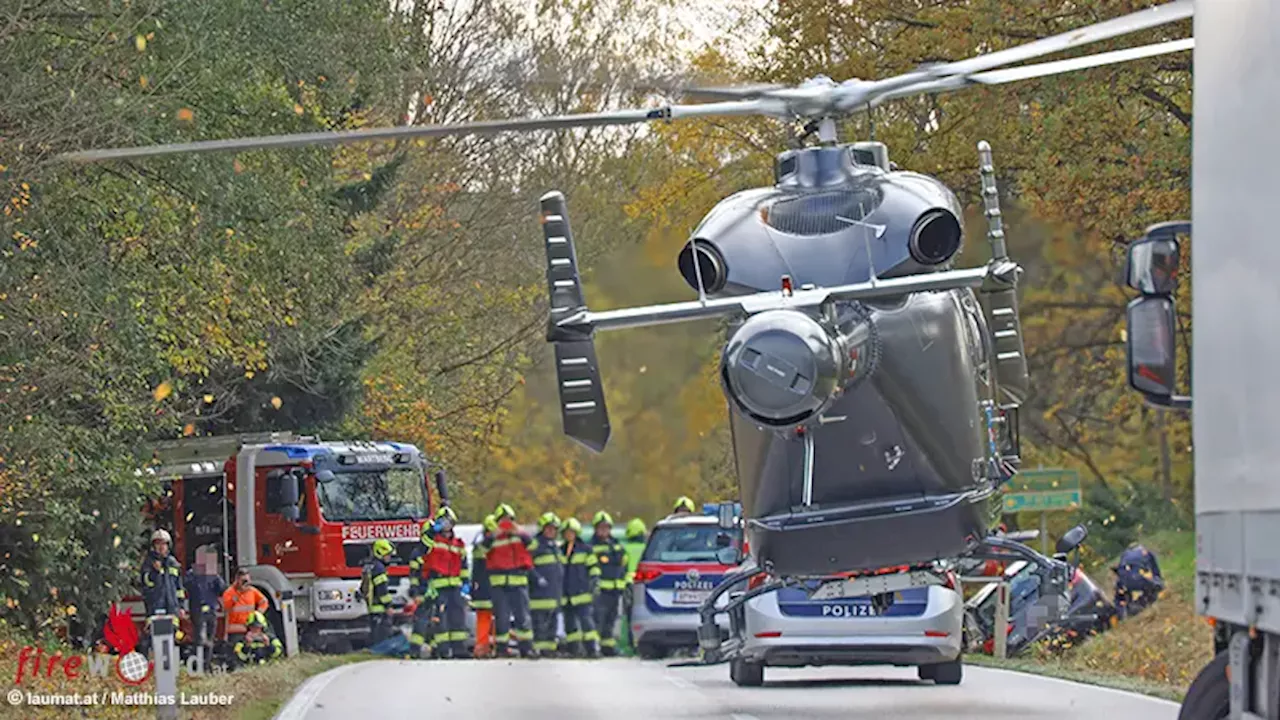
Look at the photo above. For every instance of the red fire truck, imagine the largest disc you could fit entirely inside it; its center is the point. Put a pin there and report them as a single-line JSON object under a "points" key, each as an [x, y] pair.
{"points": [[300, 513]]}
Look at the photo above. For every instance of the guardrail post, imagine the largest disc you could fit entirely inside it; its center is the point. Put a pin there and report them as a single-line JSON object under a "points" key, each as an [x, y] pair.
{"points": [[164, 650], [289, 623], [1000, 629]]}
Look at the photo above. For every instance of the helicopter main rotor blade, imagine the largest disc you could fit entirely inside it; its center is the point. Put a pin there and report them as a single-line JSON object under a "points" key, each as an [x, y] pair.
{"points": [[1133, 22], [1027, 72], [485, 127]]}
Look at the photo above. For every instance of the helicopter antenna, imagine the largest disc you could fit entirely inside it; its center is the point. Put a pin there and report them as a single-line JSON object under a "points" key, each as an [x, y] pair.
{"points": [[991, 201]]}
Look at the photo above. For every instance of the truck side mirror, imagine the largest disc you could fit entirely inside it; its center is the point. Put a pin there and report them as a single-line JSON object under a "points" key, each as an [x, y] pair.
{"points": [[1151, 350], [442, 488], [727, 516], [1072, 539], [1152, 268], [283, 493]]}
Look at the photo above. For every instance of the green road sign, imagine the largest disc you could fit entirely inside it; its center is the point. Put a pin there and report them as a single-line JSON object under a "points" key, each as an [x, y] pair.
{"points": [[1043, 490]]}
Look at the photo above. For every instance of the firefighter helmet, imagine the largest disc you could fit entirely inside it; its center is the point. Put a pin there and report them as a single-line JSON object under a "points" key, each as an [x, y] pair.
{"points": [[601, 517], [548, 518], [504, 511], [161, 535], [684, 504], [572, 524], [382, 548], [447, 513], [256, 618], [490, 523], [636, 529]]}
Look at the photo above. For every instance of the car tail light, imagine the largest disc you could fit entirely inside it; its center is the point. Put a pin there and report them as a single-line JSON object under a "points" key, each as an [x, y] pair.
{"points": [[936, 633], [646, 574], [769, 634]]}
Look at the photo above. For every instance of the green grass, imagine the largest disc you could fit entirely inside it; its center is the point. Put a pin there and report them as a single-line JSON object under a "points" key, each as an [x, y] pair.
{"points": [[1156, 653]]}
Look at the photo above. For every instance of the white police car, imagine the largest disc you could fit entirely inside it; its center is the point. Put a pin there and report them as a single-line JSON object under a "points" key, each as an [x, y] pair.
{"points": [[917, 622], [678, 570]]}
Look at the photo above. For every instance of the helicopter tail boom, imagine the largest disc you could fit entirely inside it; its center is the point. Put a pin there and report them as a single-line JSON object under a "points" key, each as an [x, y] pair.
{"points": [[582, 406]]}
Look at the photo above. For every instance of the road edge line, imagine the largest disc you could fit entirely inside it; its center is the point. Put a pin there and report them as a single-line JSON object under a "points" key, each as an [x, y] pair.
{"points": [[1065, 681], [296, 707]]}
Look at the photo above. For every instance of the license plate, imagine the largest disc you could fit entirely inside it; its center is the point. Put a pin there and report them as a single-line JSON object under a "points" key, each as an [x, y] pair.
{"points": [[690, 597], [873, 585]]}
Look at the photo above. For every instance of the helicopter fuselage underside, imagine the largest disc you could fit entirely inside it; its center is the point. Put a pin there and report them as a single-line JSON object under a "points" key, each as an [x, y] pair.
{"points": [[898, 465]]}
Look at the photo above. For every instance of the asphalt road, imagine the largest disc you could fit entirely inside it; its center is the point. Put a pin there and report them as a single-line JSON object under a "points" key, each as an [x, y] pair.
{"points": [[622, 689]]}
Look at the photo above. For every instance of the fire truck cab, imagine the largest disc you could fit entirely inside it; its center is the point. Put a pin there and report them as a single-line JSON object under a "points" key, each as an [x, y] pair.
{"points": [[300, 513]]}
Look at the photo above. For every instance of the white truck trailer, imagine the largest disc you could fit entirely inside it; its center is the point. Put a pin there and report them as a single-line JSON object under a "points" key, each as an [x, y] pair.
{"points": [[1234, 359]]}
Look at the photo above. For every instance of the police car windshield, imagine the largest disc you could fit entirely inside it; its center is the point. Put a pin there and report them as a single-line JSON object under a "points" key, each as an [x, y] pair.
{"points": [[687, 543], [395, 493]]}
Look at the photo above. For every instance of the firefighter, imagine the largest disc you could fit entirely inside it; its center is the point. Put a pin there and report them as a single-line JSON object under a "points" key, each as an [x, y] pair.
{"points": [[547, 583], [634, 545], [684, 506], [481, 592], [376, 589], [612, 560], [161, 580], [508, 562], [581, 580], [422, 594], [446, 570], [257, 646]]}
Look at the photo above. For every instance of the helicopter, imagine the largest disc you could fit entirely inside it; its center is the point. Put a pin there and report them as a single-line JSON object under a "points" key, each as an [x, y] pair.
{"points": [[873, 387]]}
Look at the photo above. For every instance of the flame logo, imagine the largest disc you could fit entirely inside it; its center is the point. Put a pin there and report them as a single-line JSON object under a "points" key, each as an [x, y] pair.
{"points": [[121, 634]]}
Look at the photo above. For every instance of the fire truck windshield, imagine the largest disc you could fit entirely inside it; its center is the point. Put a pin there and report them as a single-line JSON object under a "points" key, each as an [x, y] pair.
{"points": [[395, 493]]}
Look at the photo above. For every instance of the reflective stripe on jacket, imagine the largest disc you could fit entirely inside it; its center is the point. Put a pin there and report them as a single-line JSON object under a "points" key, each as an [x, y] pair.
{"points": [[612, 558], [240, 604]]}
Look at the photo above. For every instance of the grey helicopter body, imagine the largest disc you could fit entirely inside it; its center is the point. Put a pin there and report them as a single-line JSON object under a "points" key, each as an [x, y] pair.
{"points": [[851, 418], [872, 387]]}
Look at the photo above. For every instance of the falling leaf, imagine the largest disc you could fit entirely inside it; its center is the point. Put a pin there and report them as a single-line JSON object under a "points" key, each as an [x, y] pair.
{"points": [[162, 391], [248, 374], [143, 81], [208, 398], [185, 115], [140, 42], [71, 609], [276, 402], [115, 541], [188, 430], [297, 109], [35, 537]]}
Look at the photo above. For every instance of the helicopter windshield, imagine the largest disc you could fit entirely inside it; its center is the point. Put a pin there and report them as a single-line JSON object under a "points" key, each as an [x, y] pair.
{"points": [[395, 493]]}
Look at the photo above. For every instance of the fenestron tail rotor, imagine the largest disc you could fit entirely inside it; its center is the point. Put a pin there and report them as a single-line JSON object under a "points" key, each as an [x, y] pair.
{"points": [[818, 98], [582, 407]]}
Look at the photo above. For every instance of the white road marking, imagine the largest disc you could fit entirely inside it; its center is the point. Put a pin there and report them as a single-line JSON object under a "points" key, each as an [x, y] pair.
{"points": [[740, 716], [679, 682]]}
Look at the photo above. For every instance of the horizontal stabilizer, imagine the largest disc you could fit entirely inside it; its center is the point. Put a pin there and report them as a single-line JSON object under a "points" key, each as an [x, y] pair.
{"points": [[582, 408]]}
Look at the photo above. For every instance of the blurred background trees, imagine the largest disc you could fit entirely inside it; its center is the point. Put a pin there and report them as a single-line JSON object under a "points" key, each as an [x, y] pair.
{"points": [[395, 290]]}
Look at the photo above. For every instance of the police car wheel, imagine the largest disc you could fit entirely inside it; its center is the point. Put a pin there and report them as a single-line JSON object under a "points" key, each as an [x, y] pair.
{"points": [[1209, 697], [651, 651], [746, 674], [948, 673]]}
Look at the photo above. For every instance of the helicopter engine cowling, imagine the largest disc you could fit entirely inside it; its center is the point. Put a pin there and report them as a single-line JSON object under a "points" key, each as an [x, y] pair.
{"points": [[783, 368]]}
